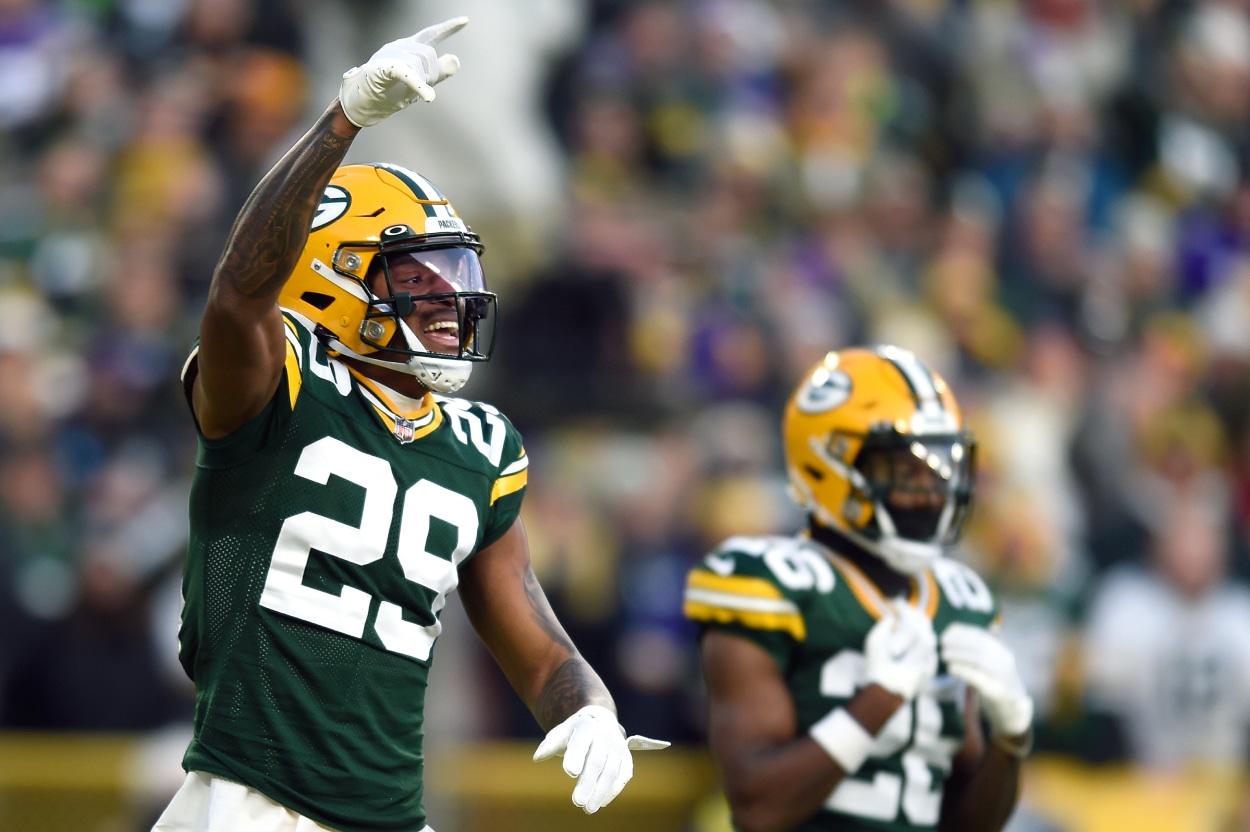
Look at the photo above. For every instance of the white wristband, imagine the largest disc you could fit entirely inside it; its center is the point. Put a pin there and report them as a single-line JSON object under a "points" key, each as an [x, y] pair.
{"points": [[843, 739]]}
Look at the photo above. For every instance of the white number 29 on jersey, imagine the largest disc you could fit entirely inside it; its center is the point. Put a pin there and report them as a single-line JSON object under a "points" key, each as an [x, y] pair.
{"points": [[348, 611]]}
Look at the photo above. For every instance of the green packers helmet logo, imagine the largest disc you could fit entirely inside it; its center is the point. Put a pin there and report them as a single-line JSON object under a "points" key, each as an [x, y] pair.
{"points": [[826, 390], [334, 204]]}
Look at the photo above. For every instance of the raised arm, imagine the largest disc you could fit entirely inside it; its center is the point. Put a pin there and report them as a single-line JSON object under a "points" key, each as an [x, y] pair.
{"points": [[241, 340], [514, 619]]}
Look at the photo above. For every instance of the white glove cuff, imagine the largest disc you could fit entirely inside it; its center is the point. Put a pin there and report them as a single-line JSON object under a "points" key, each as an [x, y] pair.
{"points": [[599, 712], [1014, 747], [1013, 718], [358, 119], [843, 739]]}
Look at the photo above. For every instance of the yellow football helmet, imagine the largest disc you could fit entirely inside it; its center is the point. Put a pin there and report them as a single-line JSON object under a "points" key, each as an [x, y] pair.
{"points": [[876, 451], [369, 216]]}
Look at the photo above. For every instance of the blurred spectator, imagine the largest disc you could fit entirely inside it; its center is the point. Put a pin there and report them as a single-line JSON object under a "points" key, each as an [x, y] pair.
{"points": [[1127, 397], [42, 528], [34, 34], [1167, 648], [95, 661]]}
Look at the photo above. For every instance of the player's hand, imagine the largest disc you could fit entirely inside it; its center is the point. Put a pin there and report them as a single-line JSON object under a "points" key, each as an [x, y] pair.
{"points": [[398, 74], [980, 659], [901, 650], [596, 752]]}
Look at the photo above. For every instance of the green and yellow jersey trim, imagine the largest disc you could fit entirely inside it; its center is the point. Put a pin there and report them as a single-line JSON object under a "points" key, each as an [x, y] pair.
{"points": [[923, 594], [294, 362], [739, 599], [425, 419], [511, 479], [864, 590]]}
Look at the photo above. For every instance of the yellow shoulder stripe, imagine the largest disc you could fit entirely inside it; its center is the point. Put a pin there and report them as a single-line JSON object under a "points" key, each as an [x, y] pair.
{"points": [[752, 602], [733, 584], [787, 623], [294, 361], [509, 485], [294, 381]]}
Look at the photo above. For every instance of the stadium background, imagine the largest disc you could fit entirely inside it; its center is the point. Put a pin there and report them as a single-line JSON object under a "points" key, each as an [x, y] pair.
{"points": [[684, 205]]}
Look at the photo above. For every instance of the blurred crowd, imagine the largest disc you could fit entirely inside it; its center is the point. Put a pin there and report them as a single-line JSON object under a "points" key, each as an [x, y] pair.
{"points": [[1049, 200]]}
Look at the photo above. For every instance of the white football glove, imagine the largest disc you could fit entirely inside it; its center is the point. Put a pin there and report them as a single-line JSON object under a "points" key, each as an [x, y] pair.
{"points": [[596, 752], [901, 651], [398, 74], [980, 659]]}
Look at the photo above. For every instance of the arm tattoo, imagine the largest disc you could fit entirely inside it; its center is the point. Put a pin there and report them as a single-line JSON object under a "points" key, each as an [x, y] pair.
{"points": [[269, 234], [541, 612], [572, 686], [574, 683]]}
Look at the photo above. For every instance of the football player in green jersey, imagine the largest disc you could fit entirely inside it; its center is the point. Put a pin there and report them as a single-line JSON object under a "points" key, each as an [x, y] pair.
{"points": [[845, 665], [339, 497]]}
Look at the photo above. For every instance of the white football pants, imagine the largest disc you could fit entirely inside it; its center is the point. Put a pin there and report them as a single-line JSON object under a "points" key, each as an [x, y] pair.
{"points": [[205, 803]]}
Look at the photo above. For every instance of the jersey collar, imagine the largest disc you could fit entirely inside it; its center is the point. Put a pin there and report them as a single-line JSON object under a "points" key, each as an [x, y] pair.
{"points": [[922, 593], [406, 425]]}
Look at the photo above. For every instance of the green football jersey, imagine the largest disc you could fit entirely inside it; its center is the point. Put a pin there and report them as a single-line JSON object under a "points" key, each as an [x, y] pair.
{"points": [[811, 610], [325, 536]]}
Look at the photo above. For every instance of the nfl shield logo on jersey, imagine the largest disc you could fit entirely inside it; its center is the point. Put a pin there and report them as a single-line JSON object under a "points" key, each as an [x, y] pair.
{"points": [[405, 429]]}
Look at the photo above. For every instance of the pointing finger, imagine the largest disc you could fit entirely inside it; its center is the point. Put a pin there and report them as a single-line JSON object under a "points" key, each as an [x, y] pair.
{"points": [[439, 31]]}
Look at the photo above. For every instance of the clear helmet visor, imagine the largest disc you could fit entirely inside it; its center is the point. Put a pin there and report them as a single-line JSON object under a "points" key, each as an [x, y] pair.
{"points": [[923, 484], [440, 294], [437, 270]]}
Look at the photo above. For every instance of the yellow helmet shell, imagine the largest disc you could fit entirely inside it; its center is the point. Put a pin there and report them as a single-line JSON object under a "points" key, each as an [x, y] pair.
{"points": [[840, 401], [362, 206]]}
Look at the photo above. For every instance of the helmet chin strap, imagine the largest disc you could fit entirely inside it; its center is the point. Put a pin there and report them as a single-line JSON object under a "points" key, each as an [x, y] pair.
{"points": [[440, 375]]}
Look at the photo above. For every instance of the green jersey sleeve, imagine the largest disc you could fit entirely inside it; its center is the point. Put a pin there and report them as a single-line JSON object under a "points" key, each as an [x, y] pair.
{"points": [[758, 588], [963, 596], [490, 432], [256, 432]]}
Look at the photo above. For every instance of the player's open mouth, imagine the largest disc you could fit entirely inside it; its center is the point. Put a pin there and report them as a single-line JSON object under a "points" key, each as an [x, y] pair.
{"points": [[442, 334]]}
